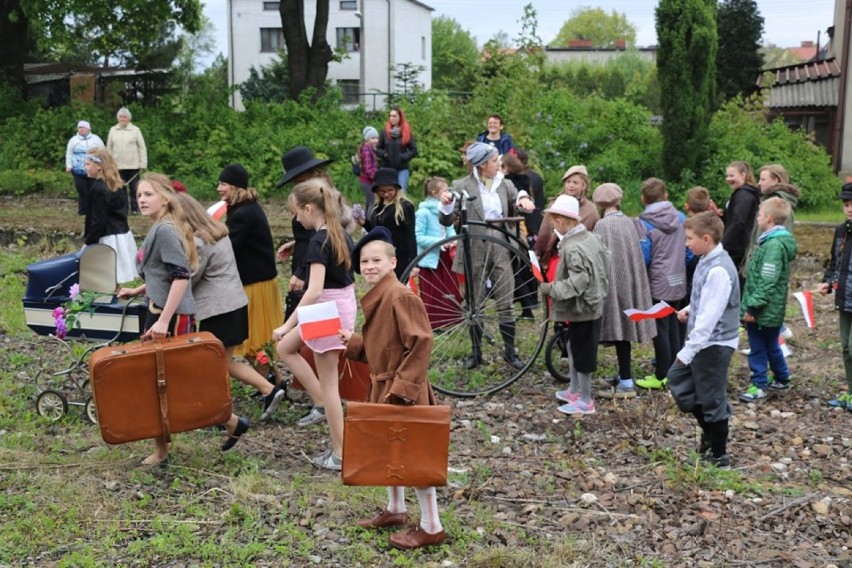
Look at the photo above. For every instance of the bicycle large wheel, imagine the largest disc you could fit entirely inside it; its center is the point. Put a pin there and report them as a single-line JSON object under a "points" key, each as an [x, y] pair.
{"points": [[556, 359], [479, 308]]}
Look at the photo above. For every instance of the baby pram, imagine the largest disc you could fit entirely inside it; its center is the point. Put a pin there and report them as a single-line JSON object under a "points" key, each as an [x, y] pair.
{"points": [[64, 372]]}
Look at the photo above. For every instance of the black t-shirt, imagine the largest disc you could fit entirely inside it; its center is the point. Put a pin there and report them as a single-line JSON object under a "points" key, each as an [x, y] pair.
{"points": [[320, 251]]}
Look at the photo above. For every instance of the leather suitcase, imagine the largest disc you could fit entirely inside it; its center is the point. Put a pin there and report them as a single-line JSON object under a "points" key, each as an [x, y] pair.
{"points": [[396, 445], [354, 377], [159, 387]]}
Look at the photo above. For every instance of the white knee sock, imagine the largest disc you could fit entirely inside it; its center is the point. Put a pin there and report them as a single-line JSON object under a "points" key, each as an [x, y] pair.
{"points": [[396, 500], [429, 520]]}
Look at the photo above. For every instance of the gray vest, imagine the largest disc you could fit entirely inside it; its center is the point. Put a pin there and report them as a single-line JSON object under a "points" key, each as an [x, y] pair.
{"points": [[728, 325]]}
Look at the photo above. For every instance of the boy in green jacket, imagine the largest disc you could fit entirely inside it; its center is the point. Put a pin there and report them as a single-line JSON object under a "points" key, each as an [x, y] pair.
{"points": [[765, 299]]}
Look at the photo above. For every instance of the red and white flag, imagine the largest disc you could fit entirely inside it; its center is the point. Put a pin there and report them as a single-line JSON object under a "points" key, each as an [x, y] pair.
{"points": [[657, 311], [218, 210], [318, 320], [536, 267], [806, 300], [412, 285]]}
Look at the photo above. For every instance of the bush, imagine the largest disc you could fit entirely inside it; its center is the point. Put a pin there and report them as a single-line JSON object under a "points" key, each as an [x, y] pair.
{"points": [[24, 182]]}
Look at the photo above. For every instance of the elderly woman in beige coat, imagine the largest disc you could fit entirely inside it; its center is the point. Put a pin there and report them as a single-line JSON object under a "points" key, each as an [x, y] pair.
{"points": [[396, 343], [127, 146]]}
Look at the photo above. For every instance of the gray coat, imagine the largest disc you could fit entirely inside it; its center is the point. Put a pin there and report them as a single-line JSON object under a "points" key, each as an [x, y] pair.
{"points": [[216, 284]]}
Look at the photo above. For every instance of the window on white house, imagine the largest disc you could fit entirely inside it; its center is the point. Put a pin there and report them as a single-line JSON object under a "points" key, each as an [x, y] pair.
{"points": [[350, 89], [271, 40], [348, 4], [271, 6], [349, 39]]}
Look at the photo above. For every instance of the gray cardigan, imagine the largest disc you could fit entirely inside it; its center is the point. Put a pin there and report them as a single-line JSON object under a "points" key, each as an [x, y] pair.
{"points": [[216, 284], [162, 246]]}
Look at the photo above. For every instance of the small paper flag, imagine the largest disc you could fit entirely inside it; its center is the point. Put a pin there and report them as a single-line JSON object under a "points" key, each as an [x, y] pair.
{"points": [[657, 311], [806, 300], [412, 285], [218, 210], [536, 267], [318, 320]]}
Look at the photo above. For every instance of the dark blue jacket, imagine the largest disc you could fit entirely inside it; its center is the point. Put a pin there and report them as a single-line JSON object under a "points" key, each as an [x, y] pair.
{"points": [[837, 273]]}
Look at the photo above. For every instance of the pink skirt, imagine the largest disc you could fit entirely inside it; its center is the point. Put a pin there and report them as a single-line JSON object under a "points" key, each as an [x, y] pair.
{"points": [[347, 308]]}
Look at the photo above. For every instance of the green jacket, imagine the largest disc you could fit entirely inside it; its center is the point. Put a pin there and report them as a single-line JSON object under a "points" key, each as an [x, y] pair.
{"points": [[767, 280], [582, 278]]}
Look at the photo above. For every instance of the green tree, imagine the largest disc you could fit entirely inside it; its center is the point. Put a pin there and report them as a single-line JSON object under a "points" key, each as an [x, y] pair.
{"points": [[596, 25], [307, 63], [739, 59], [454, 55], [686, 61], [270, 83]]}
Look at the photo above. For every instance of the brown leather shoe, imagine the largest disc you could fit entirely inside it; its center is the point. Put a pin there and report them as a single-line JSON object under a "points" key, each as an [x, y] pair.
{"points": [[416, 538], [384, 519]]}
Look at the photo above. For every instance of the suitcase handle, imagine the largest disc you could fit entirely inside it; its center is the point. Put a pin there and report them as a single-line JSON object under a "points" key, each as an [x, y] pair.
{"points": [[162, 391]]}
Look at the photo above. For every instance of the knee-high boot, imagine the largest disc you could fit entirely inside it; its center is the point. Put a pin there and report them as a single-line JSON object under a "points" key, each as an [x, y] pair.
{"points": [[507, 332]]}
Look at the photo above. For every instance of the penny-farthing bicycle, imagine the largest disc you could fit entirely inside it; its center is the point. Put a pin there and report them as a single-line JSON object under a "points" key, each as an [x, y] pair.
{"points": [[487, 264]]}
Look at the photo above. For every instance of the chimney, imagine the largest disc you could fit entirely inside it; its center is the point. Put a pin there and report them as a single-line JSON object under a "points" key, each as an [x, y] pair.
{"points": [[807, 43], [620, 44], [580, 43]]}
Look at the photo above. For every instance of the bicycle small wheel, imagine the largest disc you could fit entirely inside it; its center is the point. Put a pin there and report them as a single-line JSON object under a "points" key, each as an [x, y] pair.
{"points": [[489, 324], [91, 410], [52, 405], [555, 359]]}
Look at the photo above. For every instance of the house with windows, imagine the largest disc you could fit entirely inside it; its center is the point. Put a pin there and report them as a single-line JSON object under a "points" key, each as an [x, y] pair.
{"points": [[378, 37]]}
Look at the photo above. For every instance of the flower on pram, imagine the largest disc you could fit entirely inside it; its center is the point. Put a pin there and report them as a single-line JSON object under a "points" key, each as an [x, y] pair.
{"points": [[263, 362], [67, 316]]}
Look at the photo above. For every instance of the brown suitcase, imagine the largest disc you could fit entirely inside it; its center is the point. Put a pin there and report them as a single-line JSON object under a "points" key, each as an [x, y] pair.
{"points": [[156, 388], [354, 377], [391, 444]]}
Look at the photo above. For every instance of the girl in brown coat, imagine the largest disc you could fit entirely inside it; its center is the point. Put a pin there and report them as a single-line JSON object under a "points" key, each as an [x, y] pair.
{"points": [[396, 342]]}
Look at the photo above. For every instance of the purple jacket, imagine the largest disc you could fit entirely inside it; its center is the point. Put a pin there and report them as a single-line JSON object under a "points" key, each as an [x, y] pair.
{"points": [[661, 232]]}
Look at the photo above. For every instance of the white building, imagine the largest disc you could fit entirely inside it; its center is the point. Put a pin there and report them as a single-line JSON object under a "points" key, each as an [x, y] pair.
{"points": [[378, 35]]}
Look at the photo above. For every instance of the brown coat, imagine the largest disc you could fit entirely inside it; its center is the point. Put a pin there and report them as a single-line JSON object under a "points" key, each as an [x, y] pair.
{"points": [[396, 343]]}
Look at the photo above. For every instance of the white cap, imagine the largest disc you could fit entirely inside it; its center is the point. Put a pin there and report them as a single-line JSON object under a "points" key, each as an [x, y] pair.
{"points": [[84, 124], [566, 206]]}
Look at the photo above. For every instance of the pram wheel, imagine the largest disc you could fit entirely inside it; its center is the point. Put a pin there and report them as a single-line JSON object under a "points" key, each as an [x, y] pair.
{"points": [[91, 410], [52, 405]]}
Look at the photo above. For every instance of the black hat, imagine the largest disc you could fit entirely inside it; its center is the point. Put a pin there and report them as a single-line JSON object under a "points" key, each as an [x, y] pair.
{"points": [[235, 175], [846, 192], [386, 176], [298, 161], [377, 234]]}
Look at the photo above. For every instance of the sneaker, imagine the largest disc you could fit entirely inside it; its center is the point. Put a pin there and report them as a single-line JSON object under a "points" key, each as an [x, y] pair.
{"points": [[619, 391], [315, 416], [327, 460], [745, 352], [722, 462], [786, 332], [651, 382], [566, 396], [753, 393], [777, 385], [577, 407], [272, 400], [842, 401], [607, 382]]}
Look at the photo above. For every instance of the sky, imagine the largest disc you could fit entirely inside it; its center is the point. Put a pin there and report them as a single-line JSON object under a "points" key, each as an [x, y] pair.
{"points": [[786, 22]]}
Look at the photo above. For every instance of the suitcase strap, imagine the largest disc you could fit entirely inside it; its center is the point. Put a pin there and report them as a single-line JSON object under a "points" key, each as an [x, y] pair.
{"points": [[162, 391]]}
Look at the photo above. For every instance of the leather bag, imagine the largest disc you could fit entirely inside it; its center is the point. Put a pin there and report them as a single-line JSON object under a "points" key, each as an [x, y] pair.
{"points": [[159, 387], [397, 445], [354, 377]]}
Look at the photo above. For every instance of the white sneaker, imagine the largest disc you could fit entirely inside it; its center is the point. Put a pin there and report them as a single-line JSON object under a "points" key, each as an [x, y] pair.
{"points": [[745, 351], [786, 332], [315, 416], [327, 460]]}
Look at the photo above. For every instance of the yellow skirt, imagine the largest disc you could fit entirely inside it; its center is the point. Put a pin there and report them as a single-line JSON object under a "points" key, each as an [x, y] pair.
{"points": [[264, 315]]}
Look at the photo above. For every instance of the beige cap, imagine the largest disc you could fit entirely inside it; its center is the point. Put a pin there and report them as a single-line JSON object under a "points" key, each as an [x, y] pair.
{"points": [[607, 195]]}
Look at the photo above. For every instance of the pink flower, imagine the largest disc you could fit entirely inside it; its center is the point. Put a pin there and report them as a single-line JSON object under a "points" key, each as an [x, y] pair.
{"points": [[61, 329], [58, 312], [74, 291]]}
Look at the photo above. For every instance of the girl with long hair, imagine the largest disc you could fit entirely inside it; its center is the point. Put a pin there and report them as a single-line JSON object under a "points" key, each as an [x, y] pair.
{"points": [[397, 146], [740, 211], [165, 262], [106, 215], [330, 278], [394, 211]]}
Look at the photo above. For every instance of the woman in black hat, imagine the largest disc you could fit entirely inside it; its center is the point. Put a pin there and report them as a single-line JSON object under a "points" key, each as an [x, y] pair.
{"points": [[255, 253], [395, 212]]}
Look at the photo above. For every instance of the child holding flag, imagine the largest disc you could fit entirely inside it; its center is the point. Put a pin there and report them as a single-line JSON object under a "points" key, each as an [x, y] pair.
{"points": [[764, 299], [578, 291], [316, 205], [699, 376], [837, 278]]}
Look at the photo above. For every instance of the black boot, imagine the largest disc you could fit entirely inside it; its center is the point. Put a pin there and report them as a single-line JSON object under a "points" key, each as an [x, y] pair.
{"points": [[704, 444], [475, 358], [717, 434], [507, 331]]}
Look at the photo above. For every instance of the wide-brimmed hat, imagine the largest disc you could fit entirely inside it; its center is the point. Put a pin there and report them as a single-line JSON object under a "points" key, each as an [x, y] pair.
{"points": [[846, 192], [378, 233], [565, 205], [298, 161], [386, 176]]}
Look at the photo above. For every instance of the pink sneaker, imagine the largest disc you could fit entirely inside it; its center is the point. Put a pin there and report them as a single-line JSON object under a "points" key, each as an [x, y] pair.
{"points": [[566, 396], [577, 407]]}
